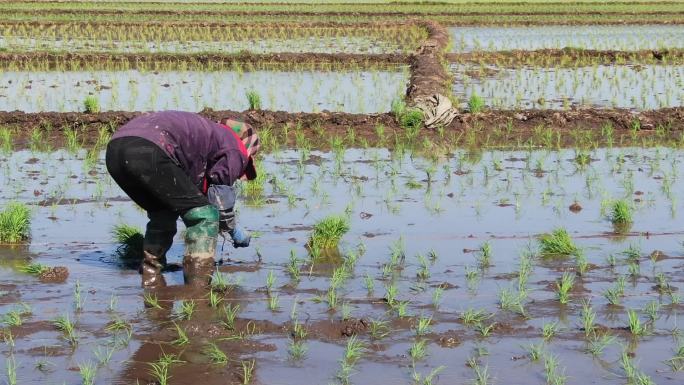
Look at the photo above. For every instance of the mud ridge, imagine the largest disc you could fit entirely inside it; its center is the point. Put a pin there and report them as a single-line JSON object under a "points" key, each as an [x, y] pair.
{"points": [[134, 60], [338, 123], [568, 56], [428, 75]]}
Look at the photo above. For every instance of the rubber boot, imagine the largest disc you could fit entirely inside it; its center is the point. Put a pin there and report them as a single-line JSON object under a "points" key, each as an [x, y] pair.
{"points": [[200, 244], [158, 239]]}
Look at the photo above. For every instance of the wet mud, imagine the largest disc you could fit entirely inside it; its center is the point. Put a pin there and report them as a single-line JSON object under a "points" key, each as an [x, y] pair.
{"points": [[428, 75], [519, 124], [568, 57], [267, 335]]}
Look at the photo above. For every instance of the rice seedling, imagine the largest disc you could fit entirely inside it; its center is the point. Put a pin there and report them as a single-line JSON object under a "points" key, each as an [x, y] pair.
{"points": [[557, 243], [151, 301], [391, 292], [78, 296], [293, 266], [247, 370], [418, 350], [346, 311], [117, 325], [230, 314], [328, 231], [553, 375], [418, 379], [129, 240], [270, 281], [369, 282], [379, 329], [401, 307], [159, 370], [15, 222], [549, 330], [6, 142], [297, 350], [634, 376], [612, 295], [299, 331], [472, 317], [273, 302], [651, 310], [564, 286], [215, 354], [475, 103], [88, 370], [34, 269], [633, 253], [635, 326], [424, 270], [187, 309], [182, 338], [214, 298], [485, 330], [676, 363], [68, 328], [91, 105], [220, 283], [588, 316], [581, 263], [11, 370], [481, 375], [423, 326], [437, 296], [621, 212], [103, 355], [534, 352], [597, 343], [484, 255], [254, 100]]}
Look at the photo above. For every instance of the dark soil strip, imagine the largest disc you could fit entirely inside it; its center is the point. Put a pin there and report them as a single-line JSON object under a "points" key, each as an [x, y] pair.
{"points": [[569, 57], [200, 24], [333, 14], [111, 61], [351, 12], [428, 75], [518, 125]]}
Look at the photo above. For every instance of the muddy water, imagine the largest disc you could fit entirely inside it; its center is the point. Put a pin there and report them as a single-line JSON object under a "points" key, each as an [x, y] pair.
{"points": [[504, 197], [341, 44], [600, 37], [636, 87], [308, 91]]}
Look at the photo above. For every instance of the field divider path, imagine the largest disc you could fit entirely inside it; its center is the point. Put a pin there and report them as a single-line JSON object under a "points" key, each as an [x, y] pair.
{"points": [[428, 75], [114, 61], [520, 123]]}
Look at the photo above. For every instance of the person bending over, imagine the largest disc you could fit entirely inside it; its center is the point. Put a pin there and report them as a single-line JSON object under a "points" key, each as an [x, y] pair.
{"points": [[180, 164]]}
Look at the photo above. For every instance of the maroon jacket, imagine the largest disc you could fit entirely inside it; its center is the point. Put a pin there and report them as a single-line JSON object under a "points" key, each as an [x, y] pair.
{"points": [[208, 152]]}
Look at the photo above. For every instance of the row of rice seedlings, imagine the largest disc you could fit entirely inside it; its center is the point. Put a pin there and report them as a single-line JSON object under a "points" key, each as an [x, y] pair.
{"points": [[406, 37]]}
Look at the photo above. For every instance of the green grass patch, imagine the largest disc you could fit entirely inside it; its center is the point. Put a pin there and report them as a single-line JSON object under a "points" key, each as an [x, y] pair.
{"points": [[557, 243], [15, 221], [328, 232]]}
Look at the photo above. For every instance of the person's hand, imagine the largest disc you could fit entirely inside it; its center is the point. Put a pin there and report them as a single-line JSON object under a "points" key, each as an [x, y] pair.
{"points": [[241, 238]]}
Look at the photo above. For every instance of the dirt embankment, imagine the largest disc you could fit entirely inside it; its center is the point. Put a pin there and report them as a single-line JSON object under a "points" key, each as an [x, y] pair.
{"points": [[135, 60], [521, 122], [351, 12], [569, 57], [428, 75]]}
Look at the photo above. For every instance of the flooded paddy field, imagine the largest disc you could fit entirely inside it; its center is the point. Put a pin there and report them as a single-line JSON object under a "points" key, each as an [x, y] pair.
{"points": [[342, 44], [596, 37], [441, 274], [639, 87], [306, 91]]}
